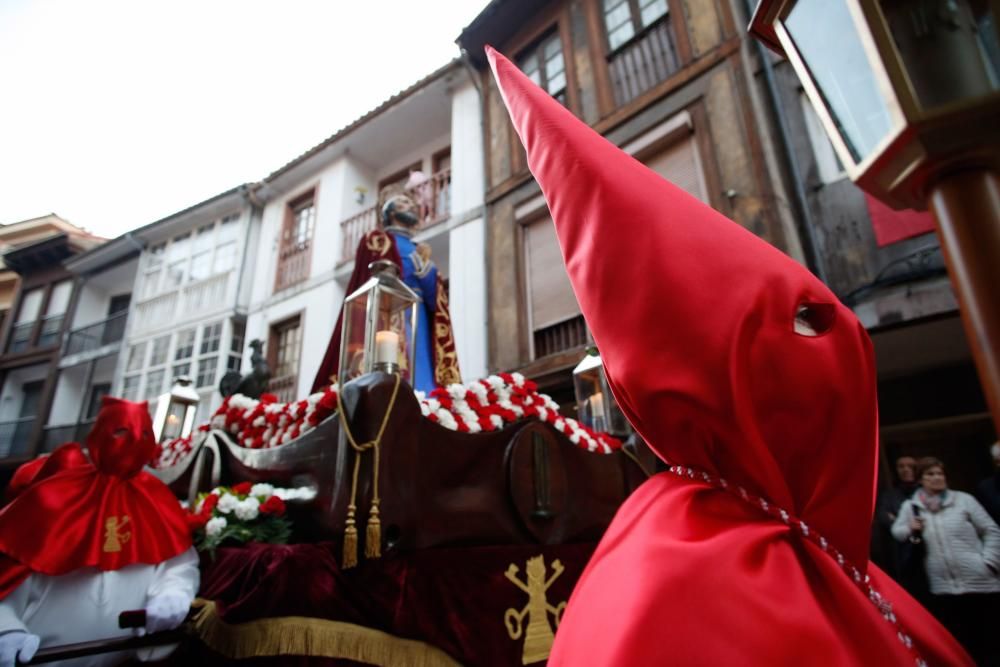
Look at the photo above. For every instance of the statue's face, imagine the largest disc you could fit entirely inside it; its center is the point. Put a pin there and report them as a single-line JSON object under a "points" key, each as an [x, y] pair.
{"points": [[405, 211]]}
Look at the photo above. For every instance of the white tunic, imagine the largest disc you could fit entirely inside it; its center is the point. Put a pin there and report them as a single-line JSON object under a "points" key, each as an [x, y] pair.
{"points": [[84, 604]]}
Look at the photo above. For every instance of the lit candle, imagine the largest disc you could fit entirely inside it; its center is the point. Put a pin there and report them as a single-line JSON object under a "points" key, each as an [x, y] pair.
{"points": [[597, 405], [386, 347]]}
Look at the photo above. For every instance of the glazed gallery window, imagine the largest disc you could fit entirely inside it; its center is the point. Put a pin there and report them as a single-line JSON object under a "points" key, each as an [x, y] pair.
{"points": [[544, 64], [624, 19], [191, 257]]}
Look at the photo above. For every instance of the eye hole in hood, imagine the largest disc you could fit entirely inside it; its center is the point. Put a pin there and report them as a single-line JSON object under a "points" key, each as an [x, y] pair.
{"points": [[814, 319]]}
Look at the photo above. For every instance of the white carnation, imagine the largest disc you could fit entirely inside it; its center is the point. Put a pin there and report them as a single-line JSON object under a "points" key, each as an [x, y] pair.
{"points": [[227, 503], [247, 509], [215, 526], [265, 490]]}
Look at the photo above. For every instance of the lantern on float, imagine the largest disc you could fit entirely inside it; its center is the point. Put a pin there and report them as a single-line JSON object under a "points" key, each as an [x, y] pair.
{"points": [[175, 411], [379, 326], [595, 406]]}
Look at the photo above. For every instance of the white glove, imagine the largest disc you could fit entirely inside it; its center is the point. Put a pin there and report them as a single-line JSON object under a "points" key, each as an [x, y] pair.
{"points": [[17, 644], [167, 610]]}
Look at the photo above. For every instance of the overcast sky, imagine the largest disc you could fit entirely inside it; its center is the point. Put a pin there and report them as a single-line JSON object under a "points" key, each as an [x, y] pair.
{"points": [[115, 113]]}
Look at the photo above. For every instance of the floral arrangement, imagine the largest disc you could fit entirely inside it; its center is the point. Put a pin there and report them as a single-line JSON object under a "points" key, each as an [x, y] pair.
{"points": [[489, 404], [256, 424], [493, 402], [242, 513]]}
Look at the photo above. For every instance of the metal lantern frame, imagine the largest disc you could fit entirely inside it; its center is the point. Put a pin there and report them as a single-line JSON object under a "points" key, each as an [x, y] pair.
{"points": [[589, 380], [384, 287], [181, 394], [924, 136]]}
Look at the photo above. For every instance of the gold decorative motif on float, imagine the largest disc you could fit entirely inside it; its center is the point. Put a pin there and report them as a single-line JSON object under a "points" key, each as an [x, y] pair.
{"points": [[115, 534], [533, 620]]}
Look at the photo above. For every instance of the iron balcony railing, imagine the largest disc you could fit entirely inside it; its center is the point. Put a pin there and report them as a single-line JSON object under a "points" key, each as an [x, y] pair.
{"points": [[97, 335], [54, 436], [15, 436]]}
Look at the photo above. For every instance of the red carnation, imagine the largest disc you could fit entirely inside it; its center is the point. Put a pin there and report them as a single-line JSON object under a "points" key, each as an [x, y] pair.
{"points": [[268, 398], [328, 401], [196, 521], [273, 505], [242, 489], [208, 504]]}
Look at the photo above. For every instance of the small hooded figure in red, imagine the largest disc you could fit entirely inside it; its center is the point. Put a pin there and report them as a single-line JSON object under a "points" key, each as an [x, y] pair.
{"points": [[87, 537], [757, 386]]}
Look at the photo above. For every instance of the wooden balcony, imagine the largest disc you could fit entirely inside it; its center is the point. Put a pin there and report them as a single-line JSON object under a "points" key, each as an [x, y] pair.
{"points": [[294, 260], [433, 196], [561, 336], [646, 60]]}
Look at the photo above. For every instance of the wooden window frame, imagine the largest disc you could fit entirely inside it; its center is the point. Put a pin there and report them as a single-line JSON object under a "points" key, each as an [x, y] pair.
{"points": [[638, 30], [273, 336], [292, 206], [556, 22]]}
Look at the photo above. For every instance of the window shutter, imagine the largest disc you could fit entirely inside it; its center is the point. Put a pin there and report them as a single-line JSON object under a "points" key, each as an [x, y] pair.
{"points": [[679, 164], [549, 291]]}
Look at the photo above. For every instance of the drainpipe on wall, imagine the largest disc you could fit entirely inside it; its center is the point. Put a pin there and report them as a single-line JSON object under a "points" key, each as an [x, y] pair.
{"points": [[474, 76], [807, 231]]}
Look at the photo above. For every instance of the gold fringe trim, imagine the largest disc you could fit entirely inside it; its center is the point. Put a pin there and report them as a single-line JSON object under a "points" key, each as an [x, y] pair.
{"points": [[317, 637]]}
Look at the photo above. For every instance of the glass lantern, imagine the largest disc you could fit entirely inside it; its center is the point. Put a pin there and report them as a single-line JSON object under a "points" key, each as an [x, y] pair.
{"points": [[903, 88], [595, 405], [380, 324], [175, 411]]}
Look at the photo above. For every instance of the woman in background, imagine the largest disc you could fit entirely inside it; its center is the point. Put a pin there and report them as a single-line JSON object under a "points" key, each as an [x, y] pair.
{"points": [[963, 558]]}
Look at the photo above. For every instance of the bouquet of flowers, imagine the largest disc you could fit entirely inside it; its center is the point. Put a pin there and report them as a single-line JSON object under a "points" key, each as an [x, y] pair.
{"points": [[242, 513]]}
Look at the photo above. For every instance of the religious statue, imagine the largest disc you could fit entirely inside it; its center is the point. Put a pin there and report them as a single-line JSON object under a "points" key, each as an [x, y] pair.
{"points": [[436, 358]]}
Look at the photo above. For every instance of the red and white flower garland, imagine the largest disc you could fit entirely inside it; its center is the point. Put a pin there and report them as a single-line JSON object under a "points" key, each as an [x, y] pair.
{"points": [[483, 405], [493, 402]]}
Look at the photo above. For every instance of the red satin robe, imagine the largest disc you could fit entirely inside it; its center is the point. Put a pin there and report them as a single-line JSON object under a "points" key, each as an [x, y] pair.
{"points": [[695, 318]]}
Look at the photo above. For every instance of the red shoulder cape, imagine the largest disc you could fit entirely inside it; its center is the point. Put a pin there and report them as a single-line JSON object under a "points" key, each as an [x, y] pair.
{"points": [[72, 511]]}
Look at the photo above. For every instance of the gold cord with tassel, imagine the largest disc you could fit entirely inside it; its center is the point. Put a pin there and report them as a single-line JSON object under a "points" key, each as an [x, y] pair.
{"points": [[373, 531]]}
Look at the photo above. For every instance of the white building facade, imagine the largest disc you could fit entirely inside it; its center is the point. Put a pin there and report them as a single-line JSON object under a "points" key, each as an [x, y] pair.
{"points": [[190, 300], [317, 208]]}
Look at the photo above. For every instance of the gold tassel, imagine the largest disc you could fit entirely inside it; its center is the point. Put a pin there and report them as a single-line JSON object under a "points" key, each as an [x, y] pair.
{"points": [[350, 541], [373, 534]]}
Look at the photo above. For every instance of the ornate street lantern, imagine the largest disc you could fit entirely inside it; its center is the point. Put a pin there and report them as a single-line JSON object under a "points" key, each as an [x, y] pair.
{"points": [[380, 324], [909, 94], [595, 406], [175, 410]]}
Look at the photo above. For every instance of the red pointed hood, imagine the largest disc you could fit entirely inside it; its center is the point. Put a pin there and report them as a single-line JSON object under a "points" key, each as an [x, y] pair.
{"points": [[695, 320], [121, 441]]}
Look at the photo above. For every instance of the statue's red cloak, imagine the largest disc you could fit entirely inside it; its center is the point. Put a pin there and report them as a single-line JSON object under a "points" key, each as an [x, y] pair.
{"points": [[377, 245]]}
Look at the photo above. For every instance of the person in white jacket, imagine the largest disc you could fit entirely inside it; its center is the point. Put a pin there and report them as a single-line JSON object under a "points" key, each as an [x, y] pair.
{"points": [[962, 558]]}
